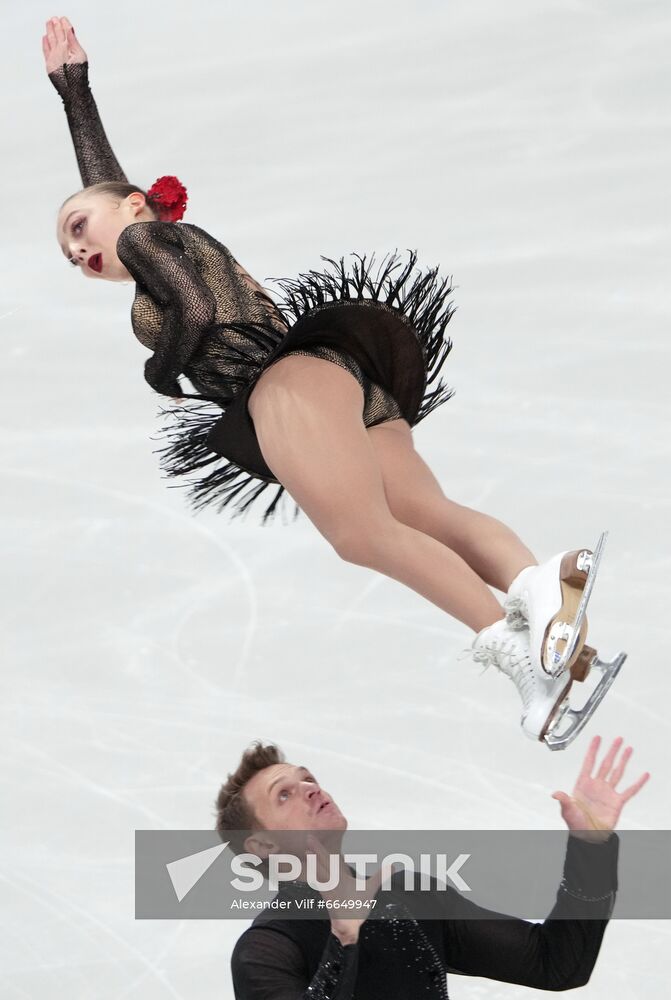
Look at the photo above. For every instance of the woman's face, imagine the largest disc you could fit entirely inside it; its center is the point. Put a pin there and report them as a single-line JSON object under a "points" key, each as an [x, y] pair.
{"points": [[89, 226]]}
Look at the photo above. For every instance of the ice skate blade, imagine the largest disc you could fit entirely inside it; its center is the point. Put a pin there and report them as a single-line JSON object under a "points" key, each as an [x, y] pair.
{"points": [[578, 718], [565, 633]]}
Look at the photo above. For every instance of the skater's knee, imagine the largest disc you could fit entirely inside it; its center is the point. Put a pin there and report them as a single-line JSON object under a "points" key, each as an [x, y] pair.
{"points": [[365, 542]]}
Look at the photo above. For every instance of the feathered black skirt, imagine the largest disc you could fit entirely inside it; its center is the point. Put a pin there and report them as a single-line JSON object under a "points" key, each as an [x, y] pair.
{"points": [[389, 327]]}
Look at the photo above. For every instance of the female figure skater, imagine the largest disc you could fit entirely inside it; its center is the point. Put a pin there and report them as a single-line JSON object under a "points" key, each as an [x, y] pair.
{"points": [[316, 394]]}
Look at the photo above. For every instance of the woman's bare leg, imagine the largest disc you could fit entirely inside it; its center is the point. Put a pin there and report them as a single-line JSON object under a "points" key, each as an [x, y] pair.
{"points": [[415, 497], [307, 414]]}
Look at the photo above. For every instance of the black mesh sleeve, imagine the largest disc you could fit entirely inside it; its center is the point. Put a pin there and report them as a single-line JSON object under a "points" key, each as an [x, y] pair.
{"points": [[557, 954], [153, 252], [94, 154], [268, 965]]}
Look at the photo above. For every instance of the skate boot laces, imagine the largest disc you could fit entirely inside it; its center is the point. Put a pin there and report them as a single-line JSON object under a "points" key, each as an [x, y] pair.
{"points": [[516, 613], [511, 659]]}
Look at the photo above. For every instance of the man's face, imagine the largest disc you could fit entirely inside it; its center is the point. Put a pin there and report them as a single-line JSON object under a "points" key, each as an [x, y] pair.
{"points": [[289, 797]]}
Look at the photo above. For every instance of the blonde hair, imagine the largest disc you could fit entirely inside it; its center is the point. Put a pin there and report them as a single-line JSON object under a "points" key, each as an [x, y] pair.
{"points": [[117, 189]]}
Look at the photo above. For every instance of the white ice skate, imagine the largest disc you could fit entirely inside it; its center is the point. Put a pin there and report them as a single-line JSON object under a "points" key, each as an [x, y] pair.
{"points": [[545, 698], [552, 599]]}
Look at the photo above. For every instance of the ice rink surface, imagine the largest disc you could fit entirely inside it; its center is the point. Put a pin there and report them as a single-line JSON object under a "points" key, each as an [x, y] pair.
{"points": [[524, 147]]}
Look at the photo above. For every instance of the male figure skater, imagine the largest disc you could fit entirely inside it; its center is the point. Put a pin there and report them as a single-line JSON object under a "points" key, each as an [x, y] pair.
{"points": [[336, 958]]}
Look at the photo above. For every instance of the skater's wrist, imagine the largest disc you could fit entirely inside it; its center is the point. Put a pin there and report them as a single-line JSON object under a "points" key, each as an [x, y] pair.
{"points": [[591, 836], [593, 829], [590, 866]]}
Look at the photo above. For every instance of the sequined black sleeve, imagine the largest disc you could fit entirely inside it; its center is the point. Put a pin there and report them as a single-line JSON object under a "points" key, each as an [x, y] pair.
{"points": [[154, 254], [268, 965], [94, 154], [558, 954]]}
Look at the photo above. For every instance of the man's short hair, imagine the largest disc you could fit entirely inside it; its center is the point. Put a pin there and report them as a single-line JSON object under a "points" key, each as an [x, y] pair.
{"points": [[233, 811]]}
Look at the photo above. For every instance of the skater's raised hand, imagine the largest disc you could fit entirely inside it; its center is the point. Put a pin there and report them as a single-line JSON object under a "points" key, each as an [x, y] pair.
{"points": [[59, 44], [595, 804]]}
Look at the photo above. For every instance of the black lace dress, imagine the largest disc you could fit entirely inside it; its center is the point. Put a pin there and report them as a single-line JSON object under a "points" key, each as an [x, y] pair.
{"points": [[398, 957], [204, 317]]}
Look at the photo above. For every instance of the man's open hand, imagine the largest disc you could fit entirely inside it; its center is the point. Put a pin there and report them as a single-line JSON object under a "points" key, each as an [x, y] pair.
{"points": [[595, 804]]}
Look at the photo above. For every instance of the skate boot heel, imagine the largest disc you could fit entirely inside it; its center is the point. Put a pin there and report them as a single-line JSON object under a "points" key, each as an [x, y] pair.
{"points": [[582, 665], [575, 567], [562, 648], [553, 598], [565, 634]]}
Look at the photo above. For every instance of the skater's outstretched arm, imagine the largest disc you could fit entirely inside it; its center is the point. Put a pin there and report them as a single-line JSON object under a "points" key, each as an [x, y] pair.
{"points": [[561, 952], [154, 254], [67, 68]]}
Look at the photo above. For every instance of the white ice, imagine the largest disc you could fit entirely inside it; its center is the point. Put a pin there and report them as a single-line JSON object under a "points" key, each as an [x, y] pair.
{"points": [[524, 147]]}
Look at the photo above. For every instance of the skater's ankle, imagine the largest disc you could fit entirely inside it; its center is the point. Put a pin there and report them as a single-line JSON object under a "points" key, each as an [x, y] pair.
{"points": [[496, 625], [490, 621], [518, 573]]}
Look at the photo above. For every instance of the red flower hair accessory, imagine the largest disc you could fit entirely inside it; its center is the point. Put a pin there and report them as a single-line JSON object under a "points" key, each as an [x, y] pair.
{"points": [[168, 196]]}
